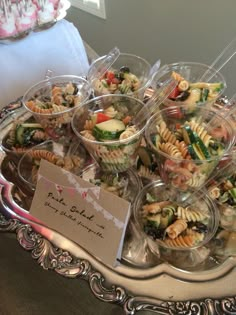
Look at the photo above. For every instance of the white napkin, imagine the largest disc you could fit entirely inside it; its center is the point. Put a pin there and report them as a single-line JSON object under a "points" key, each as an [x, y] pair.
{"points": [[25, 62]]}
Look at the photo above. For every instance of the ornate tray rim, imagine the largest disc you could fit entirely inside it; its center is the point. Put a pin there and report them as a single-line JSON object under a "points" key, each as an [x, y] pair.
{"points": [[49, 249]]}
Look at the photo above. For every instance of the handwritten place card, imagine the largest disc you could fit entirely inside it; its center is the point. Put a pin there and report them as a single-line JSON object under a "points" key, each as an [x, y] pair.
{"points": [[88, 215]]}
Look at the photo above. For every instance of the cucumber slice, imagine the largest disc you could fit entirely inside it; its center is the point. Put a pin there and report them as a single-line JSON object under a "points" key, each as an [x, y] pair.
{"points": [[188, 135], [25, 129], [198, 152], [192, 152], [201, 146], [204, 94], [108, 130], [20, 134], [154, 220], [167, 216], [145, 156]]}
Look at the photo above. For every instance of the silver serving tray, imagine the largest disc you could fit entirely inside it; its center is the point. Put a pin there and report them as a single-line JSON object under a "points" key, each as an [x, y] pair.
{"points": [[139, 283]]}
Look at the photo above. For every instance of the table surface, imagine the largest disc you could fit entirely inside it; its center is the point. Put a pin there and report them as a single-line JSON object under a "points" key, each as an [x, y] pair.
{"points": [[27, 289]]}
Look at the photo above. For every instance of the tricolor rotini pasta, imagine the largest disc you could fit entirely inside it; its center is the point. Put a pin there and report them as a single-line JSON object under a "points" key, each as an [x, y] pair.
{"points": [[71, 163], [121, 81], [52, 103], [106, 135], [190, 93], [172, 224], [23, 135], [188, 150]]}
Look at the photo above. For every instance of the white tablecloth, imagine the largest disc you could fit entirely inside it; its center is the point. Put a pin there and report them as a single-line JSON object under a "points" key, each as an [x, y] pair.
{"points": [[25, 62]]}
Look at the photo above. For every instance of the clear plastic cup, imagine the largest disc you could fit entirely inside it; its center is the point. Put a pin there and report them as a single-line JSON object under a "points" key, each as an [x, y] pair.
{"points": [[53, 101], [129, 74], [125, 185], [191, 90], [177, 230], [72, 160], [188, 146], [106, 128], [22, 136], [222, 189]]}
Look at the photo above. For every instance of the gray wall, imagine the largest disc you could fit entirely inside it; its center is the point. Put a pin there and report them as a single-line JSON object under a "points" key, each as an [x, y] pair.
{"points": [[172, 30]]}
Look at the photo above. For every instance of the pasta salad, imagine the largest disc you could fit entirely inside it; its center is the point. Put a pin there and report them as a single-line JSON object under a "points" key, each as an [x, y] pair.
{"points": [[224, 192], [187, 151], [172, 224], [111, 137], [121, 81], [23, 136], [194, 93]]}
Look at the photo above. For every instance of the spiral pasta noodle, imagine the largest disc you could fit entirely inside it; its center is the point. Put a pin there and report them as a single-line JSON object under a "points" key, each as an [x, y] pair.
{"points": [[184, 240], [165, 133], [57, 99], [56, 90], [179, 134], [111, 156], [196, 180], [44, 154], [144, 171], [89, 124], [72, 162], [39, 135], [58, 108], [88, 135], [177, 76], [36, 109], [176, 228], [110, 111], [68, 162], [190, 214], [170, 149], [129, 131], [181, 145], [201, 131]]}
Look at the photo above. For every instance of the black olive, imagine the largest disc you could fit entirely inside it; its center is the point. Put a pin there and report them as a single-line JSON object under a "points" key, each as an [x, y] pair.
{"points": [[75, 89], [182, 96], [231, 201], [125, 69], [214, 146], [46, 99], [198, 227], [153, 231], [153, 166]]}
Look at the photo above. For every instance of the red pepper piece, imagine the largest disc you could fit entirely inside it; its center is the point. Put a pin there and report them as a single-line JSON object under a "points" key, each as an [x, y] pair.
{"points": [[174, 93], [102, 117]]}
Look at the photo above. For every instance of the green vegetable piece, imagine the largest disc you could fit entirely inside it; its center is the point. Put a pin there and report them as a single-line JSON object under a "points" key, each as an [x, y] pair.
{"points": [[197, 148], [108, 130], [155, 220], [150, 198], [204, 94], [202, 148], [219, 87], [20, 134], [191, 151], [156, 140], [188, 135], [233, 193], [224, 198], [167, 216], [145, 156]]}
